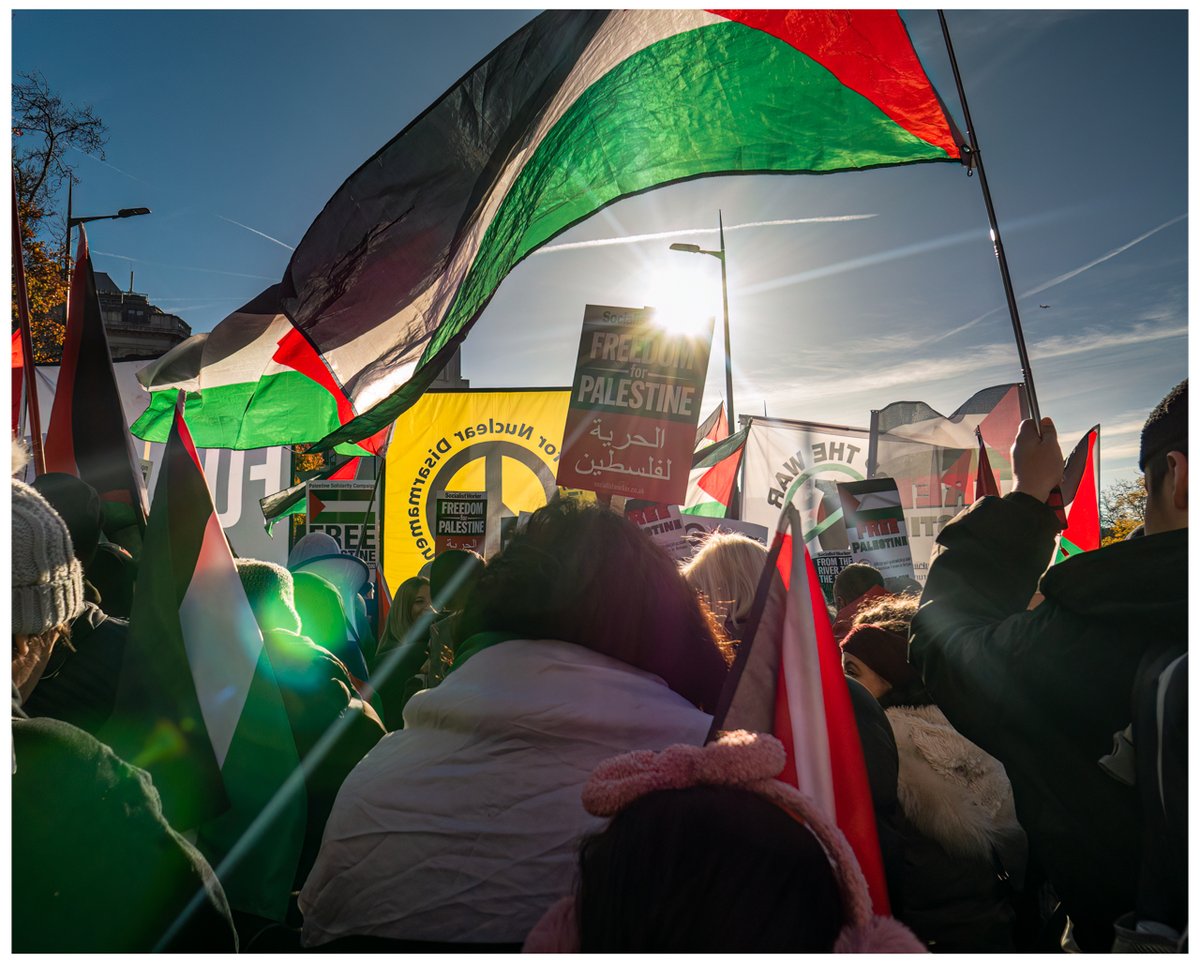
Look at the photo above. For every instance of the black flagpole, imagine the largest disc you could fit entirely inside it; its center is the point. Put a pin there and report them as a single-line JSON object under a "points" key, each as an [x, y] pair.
{"points": [[976, 162]]}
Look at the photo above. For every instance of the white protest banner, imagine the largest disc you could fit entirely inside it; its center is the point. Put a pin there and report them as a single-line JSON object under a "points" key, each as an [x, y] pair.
{"points": [[802, 462]]}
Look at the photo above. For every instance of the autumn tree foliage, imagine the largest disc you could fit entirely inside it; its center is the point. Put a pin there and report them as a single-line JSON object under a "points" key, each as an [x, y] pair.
{"points": [[45, 128], [1122, 509]]}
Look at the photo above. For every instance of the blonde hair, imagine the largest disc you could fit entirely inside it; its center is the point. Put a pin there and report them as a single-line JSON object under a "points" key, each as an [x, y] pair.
{"points": [[725, 572], [400, 619]]}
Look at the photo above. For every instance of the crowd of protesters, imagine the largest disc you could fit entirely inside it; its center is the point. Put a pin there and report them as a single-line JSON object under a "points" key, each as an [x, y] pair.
{"points": [[526, 767]]}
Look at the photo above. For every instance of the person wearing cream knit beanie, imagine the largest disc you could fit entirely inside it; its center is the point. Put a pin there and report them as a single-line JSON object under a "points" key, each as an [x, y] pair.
{"points": [[47, 584], [95, 866]]}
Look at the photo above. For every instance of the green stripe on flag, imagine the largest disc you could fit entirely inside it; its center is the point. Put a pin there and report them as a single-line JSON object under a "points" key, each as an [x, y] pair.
{"points": [[705, 509], [722, 99], [286, 408]]}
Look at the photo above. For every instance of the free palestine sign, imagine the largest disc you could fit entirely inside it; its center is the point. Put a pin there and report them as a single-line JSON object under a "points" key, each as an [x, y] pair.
{"points": [[635, 402]]}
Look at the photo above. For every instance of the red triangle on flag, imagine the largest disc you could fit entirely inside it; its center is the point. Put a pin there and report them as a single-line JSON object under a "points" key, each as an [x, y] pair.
{"points": [[315, 506]]}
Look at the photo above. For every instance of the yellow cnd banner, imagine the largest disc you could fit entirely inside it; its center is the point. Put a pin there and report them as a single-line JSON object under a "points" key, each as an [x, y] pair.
{"points": [[503, 442]]}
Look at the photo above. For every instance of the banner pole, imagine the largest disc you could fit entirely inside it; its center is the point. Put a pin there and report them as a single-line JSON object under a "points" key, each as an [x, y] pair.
{"points": [[362, 529], [976, 162], [873, 445]]}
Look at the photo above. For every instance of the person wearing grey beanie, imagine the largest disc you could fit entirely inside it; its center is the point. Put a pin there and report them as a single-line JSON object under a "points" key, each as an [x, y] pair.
{"points": [[47, 584], [88, 828]]}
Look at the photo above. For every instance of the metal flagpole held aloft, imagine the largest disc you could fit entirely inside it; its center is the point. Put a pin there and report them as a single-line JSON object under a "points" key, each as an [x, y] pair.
{"points": [[997, 244], [725, 307]]}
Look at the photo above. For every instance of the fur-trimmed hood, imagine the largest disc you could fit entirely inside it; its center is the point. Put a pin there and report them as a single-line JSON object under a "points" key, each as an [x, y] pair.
{"points": [[950, 789]]}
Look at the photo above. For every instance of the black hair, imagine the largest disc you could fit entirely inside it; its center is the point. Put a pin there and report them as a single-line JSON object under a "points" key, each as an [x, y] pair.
{"points": [[1165, 431], [452, 577], [712, 869], [856, 580], [583, 574]]}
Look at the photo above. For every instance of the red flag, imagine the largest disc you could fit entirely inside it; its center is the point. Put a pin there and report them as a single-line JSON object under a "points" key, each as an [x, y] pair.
{"points": [[1081, 498], [18, 369], [788, 681], [985, 480], [88, 435]]}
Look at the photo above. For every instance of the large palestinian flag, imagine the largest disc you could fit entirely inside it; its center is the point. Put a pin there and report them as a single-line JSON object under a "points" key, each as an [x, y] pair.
{"points": [[575, 111], [198, 704]]}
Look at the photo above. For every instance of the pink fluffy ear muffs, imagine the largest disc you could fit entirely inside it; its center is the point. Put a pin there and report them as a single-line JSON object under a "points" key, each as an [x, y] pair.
{"points": [[745, 760]]}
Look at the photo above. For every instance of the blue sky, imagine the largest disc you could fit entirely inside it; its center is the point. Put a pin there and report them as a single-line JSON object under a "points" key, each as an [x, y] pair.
{"points": [[237, 127]]}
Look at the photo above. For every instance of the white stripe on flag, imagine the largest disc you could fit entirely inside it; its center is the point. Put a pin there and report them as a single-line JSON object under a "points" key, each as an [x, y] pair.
{"points": [[801, 673], [221, 637]]}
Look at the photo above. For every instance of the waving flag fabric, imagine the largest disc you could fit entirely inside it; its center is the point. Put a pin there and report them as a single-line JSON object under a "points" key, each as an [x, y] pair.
{"points": [[985, 478], [198, 705], [712, 429], [254, 381], [575, 111], [18, 384], [1081, 498], [714, 472], [788, 681], [930, 455], [88, 435]]}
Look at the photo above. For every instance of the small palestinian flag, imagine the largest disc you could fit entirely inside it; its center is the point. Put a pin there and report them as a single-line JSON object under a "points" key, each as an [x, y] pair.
{"points": [[1081, 498], [787, 680], [713, 475], [985, 478], [712, 429]]}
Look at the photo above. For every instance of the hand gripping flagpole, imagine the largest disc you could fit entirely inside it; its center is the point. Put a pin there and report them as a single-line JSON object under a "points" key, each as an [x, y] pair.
{"points": [[976, 162]]}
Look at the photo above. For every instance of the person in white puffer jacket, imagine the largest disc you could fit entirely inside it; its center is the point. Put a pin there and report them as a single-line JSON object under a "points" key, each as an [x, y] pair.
{"points": [[964, 851], [580, 641]]}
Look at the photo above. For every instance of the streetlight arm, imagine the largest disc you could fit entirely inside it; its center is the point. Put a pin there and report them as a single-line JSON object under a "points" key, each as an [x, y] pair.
{"points": [[697, 249], [122, 213]]}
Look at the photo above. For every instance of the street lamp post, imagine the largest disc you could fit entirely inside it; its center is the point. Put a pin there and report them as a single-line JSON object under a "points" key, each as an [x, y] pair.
{"points": [[73, 222], [719, 255]]}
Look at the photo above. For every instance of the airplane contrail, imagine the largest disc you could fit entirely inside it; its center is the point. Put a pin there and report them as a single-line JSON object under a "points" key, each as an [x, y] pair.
{"points": [[184, 267], [639, 238], [254, 231], [1104, 257], [99, 160], [1054, 282]]}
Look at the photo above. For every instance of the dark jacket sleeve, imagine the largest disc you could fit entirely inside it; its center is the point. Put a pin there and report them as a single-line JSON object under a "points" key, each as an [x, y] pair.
{"points": [[96, 866], [972, 635]]}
